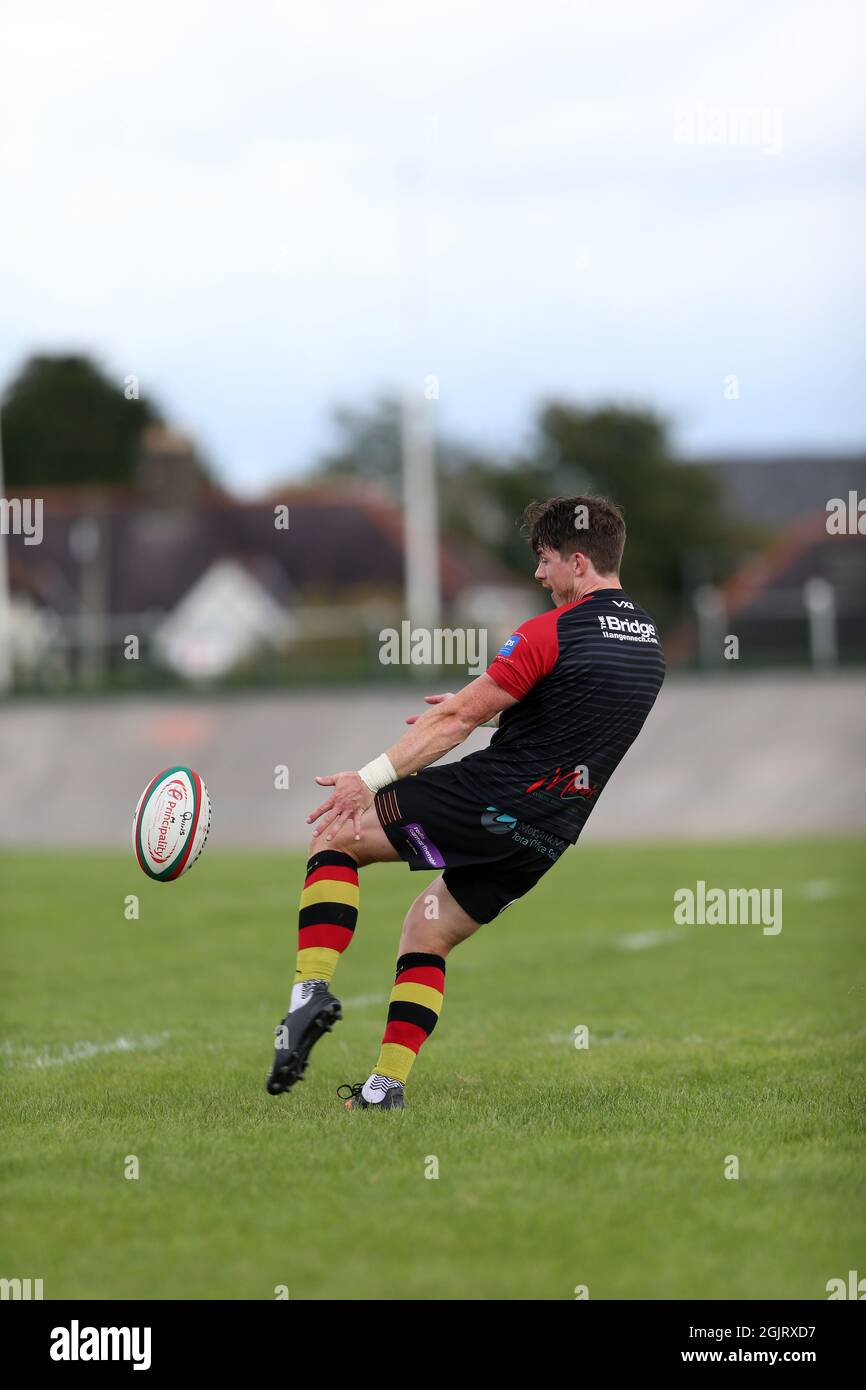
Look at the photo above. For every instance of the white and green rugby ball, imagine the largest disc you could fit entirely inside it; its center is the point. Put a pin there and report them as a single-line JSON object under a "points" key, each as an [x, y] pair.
{"points": [[171, 823]]}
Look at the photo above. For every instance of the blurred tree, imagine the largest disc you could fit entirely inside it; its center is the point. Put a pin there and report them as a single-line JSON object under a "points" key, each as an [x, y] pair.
{"points": [[678, 532], [368, 445], [65, 421], [677, 529]]}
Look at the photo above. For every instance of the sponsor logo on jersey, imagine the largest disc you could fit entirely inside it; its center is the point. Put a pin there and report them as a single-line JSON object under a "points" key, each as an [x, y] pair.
{"points": [[643, 632], [508, 646], [623, 603]]}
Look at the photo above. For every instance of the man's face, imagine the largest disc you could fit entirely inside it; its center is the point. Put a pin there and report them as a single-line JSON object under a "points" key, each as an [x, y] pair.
{"points": [[556, 575]]}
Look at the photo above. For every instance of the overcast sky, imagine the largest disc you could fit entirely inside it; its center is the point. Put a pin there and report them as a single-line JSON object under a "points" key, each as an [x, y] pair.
{"points": [[261, 211]]}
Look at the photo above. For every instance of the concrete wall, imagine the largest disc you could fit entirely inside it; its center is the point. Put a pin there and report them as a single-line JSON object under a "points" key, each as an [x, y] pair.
{"points": [[729, 756]]}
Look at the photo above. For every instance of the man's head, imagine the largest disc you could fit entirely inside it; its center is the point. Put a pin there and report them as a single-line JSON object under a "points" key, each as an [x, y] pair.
{"points": [[579, 543]]}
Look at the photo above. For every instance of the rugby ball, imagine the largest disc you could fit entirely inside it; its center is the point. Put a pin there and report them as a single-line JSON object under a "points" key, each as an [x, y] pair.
{"points": [[171, 823]]}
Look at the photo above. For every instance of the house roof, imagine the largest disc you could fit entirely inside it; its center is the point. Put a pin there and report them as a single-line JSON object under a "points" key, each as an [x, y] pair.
{"points": [[777, 490], [804, 550], [337, 539]]}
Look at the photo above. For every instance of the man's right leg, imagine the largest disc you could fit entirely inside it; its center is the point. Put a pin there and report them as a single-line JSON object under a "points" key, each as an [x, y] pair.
{"points": [[328, 915], [434, 925]]}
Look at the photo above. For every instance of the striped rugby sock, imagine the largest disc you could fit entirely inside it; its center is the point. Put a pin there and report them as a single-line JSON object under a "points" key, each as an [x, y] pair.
{"points": [[414, 1007], [328, 914]]}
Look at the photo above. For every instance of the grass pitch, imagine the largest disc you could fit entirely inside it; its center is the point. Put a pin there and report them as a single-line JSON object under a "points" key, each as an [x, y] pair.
{"points": [[557, 1166]]}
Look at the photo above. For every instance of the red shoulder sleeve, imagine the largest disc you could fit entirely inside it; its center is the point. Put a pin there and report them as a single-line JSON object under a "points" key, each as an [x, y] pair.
{"points": [[529, 654]]}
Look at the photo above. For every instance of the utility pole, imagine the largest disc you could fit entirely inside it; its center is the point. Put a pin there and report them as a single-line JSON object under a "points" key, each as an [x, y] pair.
{"points": [[5, 604], [420, 503], [819, 597], [420, 512]]}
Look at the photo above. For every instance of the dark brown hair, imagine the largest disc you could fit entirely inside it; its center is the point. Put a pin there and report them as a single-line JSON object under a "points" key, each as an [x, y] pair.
{"points": [[591, 525]]}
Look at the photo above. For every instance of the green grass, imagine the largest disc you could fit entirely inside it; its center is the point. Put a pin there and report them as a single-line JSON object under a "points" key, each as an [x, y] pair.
{"points": [[557, 1166]]}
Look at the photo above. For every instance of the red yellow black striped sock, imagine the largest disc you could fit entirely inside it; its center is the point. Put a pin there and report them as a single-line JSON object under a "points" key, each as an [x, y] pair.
{"points": [[414, 1007], [328, 914]]}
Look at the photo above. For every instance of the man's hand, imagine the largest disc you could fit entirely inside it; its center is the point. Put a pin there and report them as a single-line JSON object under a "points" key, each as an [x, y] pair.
{"points": [[350, 798], [430, 700]]}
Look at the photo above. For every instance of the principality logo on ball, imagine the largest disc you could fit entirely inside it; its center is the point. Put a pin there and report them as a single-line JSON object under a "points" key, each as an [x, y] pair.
{"points": [[497, 822], [171, 823]]}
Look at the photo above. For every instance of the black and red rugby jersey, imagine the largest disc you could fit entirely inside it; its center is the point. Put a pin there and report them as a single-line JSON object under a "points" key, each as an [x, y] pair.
{"points": [[586, 676]]}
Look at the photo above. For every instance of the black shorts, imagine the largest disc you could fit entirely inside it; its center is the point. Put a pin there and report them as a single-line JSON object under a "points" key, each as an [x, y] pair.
{"points": [[489, 858]]}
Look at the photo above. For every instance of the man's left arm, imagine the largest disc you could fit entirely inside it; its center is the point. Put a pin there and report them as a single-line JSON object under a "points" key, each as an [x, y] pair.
{"points": [[434, 733], [441, 728]]}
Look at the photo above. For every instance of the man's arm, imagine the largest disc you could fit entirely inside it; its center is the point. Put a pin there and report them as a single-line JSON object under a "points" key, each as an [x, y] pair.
{"points": [[442, 727], [434, 733], [492, 723]]}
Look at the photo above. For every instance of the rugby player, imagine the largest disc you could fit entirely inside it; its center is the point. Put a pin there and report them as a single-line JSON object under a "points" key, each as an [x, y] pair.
{"points": [[570, 690]]}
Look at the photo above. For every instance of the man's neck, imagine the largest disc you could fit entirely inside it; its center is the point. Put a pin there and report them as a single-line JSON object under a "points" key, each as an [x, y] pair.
{"points": [[600, 582]]}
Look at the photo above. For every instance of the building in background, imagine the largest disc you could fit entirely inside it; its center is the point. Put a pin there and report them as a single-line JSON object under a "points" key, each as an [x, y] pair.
{"points": [[800, 598], [175, 580], [172, 580]]}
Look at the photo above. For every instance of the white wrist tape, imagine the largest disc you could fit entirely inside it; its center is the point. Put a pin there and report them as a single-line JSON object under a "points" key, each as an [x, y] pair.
{"points": [[378, 774]]}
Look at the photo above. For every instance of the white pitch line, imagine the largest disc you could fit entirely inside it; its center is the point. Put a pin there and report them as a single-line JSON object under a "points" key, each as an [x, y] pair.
{"points": [[644, 940], [81, 1051], [364, 1001], [818, 889], [594, 1039]]}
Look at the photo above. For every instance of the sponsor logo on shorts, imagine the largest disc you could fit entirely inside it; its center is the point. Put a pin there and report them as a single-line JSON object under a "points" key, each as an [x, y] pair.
{"points": [[542, 841], [417, 835], [566, 785], [497, 822]]}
